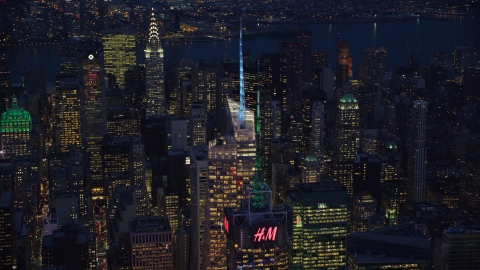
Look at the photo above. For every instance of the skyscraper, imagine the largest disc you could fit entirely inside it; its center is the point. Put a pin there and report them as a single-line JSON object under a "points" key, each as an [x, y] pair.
{"points": [[243, 130], [318, 124], [460, 248], [204, 84], [73, 247], [122, 121], [224, 90], [277, 72], [257, 232], [311, 121], [325, 80], [366, 175], [167, 201], [256, 217], [223, 190], [198, 122], [198, 177], [137, 170], [155, 89], [180, 97], [115, 155], [91, 75], [68, 111], [5, 79], [4, 71], [177, 133], [417, 152], [270, 123], [364, 206], [320, 222], [151, 243], [15, 126], [344, 63], [7, 230], [119, 53], [373, 65], [77, 176], [294, 66], [348, 140], [470, 185], [309, 169]]}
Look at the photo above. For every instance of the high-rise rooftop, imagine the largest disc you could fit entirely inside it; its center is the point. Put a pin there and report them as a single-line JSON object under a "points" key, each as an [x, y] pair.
{"points": [[16, 119]]}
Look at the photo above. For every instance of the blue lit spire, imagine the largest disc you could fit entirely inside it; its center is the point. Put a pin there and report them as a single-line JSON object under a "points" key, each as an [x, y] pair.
{"points": [[241, 110]]}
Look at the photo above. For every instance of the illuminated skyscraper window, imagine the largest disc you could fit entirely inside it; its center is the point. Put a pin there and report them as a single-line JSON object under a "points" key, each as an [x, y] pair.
{"points": [[119, 48], [319, 229]]}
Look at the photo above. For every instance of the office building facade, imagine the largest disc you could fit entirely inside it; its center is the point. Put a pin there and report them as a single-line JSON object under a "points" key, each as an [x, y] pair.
{"points": [[470, 185], [320, 224], [119, 53], [91, 76], [151, 243], [223, 190], [198, 122], [198, 178], [68, 112], [417, 152]]}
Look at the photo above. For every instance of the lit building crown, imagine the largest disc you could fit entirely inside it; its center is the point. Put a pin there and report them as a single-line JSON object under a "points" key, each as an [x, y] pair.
{"points": [[154, 44], [348, 101], [16, 119], [244, 126]]}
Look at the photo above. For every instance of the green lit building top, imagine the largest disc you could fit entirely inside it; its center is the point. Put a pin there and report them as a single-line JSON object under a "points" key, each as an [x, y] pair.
{"points": [[16, 119], [15, 127]]}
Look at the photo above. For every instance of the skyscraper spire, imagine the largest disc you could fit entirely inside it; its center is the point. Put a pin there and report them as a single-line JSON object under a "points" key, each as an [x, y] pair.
{"points": [[155, 104], [241, 110], [153, 36]]}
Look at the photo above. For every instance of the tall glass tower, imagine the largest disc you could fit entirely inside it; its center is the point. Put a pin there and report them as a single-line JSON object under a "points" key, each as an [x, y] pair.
{"points": [[119, 49], [155, 89], [417, 154], [91, 76], [348, 140], [222, 192], [68, 111], [137, 169]]}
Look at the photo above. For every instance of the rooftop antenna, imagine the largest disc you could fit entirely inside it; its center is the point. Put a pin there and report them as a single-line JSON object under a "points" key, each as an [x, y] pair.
{"points": [[241, 109]]}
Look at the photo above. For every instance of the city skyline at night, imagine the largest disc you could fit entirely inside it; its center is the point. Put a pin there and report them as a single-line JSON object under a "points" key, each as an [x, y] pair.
{"points": [[144, 134]]}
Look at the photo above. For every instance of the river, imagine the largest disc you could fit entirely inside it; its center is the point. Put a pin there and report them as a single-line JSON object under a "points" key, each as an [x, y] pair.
{"points": [[424, 36]]}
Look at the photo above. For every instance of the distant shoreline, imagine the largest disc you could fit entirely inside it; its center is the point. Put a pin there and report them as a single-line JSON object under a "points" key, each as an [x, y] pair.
{"points": [[365, 20]]}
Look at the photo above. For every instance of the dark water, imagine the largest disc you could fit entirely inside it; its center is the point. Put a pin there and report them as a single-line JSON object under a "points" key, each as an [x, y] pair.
{"points": [[422, 35]]}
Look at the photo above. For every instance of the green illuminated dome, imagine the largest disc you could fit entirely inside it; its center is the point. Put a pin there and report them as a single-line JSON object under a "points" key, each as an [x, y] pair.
{"points": [[310, 158], [348, 102], [348, 98], [16, 119]]}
